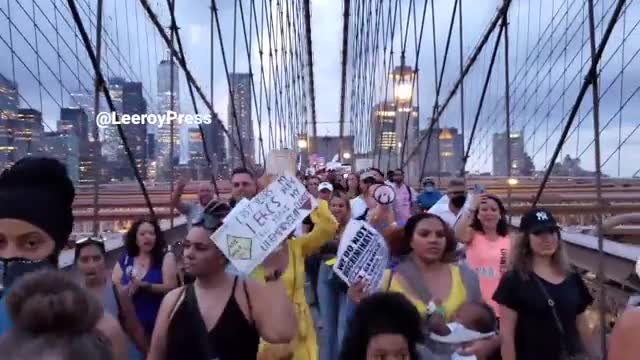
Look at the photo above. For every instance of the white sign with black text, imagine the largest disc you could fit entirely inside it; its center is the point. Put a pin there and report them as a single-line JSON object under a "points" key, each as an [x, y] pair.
{"points": [[252, 231], [362, 255]]}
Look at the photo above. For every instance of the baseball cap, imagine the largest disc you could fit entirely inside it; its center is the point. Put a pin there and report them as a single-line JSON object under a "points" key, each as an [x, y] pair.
{"points": [[325, 186], [537, 220]]}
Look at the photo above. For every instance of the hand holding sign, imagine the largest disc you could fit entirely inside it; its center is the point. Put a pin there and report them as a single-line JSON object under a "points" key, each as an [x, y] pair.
{"points": [[249, 234]]}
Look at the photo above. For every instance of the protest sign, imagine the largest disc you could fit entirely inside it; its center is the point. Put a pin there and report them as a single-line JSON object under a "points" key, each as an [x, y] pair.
{"points": [[362, 255], [281, 163], [253, 231]]}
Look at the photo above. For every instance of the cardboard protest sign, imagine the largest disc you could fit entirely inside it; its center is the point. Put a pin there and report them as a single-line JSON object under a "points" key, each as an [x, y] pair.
{"points": [[362, 255], [253, 231], [281, 163]]}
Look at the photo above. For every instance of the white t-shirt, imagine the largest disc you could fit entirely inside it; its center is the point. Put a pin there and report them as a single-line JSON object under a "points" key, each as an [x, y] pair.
{"points": [[358, 207], [441, 208]]}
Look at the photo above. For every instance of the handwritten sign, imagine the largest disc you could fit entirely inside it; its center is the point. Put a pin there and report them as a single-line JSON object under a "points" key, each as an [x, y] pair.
{"points": [[255, 228], [281, 163], [362, 255]]}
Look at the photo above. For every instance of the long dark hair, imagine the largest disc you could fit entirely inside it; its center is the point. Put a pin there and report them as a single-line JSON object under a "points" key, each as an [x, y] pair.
{"points": [[382, 313], [157, 253], [399, 240], [502, 228]]}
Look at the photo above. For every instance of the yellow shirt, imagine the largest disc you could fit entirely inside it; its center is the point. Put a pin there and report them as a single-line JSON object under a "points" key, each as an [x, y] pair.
{"points": [[304, 346], [457, 295]]}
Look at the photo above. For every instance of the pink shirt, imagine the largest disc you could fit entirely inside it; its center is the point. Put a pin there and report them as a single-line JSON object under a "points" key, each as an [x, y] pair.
{"points": [[488, 258]]}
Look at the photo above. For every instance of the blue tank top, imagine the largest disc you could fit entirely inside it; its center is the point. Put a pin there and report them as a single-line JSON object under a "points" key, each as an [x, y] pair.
{"points": [[146, 303]]}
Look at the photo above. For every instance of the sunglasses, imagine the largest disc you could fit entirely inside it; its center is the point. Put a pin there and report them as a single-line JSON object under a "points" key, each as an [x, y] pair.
{"points": [[99, 239]]}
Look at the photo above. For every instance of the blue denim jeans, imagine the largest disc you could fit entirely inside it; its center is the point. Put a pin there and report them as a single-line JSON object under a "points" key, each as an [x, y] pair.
{"points": [[332, 301]]}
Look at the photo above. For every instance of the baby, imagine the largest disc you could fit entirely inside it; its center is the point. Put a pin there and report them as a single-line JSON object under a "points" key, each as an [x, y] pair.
{"points": [[472, 322]]}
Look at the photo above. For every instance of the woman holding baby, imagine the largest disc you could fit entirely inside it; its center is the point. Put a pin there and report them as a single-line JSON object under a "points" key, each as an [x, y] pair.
{"points": [[433, 282]]}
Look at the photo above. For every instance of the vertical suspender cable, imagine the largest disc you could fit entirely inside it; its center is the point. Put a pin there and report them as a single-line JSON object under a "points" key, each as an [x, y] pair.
{"points": [[343, 87], [107, 95], [507, 105], [461, 70], [595, 94], [592, 73], [96, 108], [172, 9], [482, 96], [205, 148]]}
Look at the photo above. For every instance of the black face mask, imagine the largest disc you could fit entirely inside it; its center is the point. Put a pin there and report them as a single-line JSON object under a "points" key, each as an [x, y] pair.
{"points": [[14, 268], [458, 201]]}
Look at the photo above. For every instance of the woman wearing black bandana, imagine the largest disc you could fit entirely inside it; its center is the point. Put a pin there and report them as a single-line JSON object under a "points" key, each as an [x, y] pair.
{"points": [[36, 219]]}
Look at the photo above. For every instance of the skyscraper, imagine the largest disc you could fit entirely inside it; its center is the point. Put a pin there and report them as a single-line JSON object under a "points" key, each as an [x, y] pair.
{"points": [[500, 163], [8, 116], [165, 100], [75, 120], [451, 151], [111, 142], [64, 146], [133, 102], [215, 139], [240, 120]]}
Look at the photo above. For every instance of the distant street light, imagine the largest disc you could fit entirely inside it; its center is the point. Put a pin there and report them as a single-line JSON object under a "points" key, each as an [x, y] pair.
{"points": [[302, 143], [512, 181], [346, 155]]}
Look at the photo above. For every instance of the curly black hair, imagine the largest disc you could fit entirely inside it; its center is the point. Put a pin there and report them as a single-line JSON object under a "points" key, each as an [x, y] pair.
{"points": [[381, 313], [158, 251]]}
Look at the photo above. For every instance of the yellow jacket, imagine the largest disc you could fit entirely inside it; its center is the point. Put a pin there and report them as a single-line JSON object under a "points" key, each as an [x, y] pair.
{"points": [[304, 346]]}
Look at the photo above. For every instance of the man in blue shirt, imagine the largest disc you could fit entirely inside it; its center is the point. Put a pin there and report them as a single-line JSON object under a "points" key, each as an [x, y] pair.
{"points": [[429, 196]]}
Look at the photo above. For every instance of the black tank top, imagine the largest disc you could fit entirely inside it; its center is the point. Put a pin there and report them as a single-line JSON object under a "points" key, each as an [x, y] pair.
{"points": [[232, 338]]}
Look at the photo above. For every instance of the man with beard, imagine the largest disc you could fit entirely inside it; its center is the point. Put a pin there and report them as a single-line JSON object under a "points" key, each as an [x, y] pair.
{"points": [[243, 185], [191, 210], [450, 206]]}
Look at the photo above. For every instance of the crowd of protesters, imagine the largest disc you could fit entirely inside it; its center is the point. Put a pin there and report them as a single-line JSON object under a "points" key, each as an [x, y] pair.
{"points": [[459, 283]]}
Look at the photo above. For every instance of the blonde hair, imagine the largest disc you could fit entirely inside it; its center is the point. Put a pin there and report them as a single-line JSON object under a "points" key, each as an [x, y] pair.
{"points": [[521, 257], [347, 203]]}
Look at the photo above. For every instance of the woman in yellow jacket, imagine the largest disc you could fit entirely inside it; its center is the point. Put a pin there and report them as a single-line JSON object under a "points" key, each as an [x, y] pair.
{"points": [[304, 346]]}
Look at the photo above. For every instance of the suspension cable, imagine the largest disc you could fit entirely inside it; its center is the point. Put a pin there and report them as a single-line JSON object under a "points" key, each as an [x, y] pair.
{"points": [[107, 95], [585, 85], [470, 62], [181, 61]]}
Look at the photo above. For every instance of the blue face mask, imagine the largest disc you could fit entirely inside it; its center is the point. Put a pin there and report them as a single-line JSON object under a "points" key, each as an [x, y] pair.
{"points": [[429, 188], [14, 268]]}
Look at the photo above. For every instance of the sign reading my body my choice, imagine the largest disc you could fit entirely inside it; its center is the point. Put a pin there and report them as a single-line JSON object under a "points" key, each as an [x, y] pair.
{"points": [[362, 255], [255, 228]]}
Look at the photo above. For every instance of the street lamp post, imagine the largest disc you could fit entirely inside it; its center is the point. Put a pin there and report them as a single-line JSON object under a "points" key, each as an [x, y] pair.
{"points": [[403, 94]]}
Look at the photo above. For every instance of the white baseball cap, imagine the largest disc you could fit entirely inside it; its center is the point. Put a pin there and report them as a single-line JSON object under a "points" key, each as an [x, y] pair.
{"points": [[325, 186]]}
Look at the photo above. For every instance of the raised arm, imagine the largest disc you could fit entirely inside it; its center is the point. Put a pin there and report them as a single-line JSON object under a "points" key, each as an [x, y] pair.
{"points": [[324, 229], [177, 194], [463, 230], [272, 311]]}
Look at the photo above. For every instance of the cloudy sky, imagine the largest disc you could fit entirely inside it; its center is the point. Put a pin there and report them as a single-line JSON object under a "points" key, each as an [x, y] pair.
{"points": [[548, 56]]}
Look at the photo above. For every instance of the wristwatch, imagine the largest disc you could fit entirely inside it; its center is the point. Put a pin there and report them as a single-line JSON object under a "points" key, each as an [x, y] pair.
{"points": [[274, 276]]}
